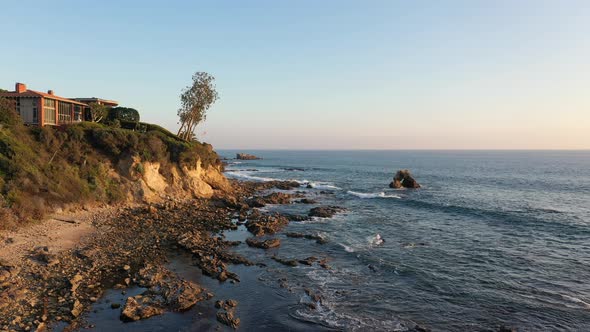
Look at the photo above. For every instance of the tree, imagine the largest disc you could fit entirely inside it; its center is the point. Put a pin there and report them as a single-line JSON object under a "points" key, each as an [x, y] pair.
{"points": [[124, 114], [98, 112], [195, 100]]}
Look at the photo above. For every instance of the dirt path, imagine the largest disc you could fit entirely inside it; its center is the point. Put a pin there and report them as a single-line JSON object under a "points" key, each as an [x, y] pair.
{"points": [[59, 232]]}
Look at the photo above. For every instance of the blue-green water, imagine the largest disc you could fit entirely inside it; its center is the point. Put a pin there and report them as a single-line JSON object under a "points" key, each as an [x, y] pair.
{"points": [[492, 238]]}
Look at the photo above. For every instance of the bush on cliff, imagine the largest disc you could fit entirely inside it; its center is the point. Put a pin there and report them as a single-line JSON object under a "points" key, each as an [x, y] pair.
{"points": [[43, 168]]}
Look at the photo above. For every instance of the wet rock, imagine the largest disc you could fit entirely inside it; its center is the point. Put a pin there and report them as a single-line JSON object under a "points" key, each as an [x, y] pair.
{"points": [[285, 185], [325, 211], [259, 224], [308, 261], [139, 307], [296, 217], [115, 305], [319, 239], [177, 294], [228, 319], [418, 328], [264, 244], [287, 262], [307, 201], [403, 179]]}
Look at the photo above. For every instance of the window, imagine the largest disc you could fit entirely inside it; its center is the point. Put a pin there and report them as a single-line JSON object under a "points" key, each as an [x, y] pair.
{"points": [[35, 115], [49, 106], [77, 113], [65, 112]]}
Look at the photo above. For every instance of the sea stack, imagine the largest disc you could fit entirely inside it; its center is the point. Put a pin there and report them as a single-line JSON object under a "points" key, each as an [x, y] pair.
{"points": [[245, 156], [403, 179]]}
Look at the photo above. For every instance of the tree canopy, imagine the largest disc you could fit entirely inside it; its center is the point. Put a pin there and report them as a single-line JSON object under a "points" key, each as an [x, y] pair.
{"points": [[126, 114], [98, 112], [195, 100]]}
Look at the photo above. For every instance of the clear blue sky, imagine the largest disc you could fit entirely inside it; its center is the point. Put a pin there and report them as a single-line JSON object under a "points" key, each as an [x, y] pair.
{"points": [[322, 74]]}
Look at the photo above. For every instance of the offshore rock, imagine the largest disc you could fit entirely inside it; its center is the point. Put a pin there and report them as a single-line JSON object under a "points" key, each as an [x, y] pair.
{"points": [[403, 179], [245, 156]]}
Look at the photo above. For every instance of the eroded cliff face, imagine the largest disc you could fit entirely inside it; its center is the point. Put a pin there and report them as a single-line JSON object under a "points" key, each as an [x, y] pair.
{"points": [[150, 182]]}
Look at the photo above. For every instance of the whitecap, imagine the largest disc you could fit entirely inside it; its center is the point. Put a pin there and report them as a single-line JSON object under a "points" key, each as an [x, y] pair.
{"points": [[576, 300], [318, 185], [376, 240], [346, 248], [372, 195]]}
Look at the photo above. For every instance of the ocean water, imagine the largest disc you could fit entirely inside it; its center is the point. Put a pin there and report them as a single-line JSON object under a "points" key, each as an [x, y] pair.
{"points": [[492, 238]]}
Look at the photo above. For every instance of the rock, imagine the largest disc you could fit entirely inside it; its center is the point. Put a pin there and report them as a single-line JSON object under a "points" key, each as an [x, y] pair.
{"points": [[287, 262], [259, 224], [228, 319], [115, 305], [403, 179], [296, 217], [231, 303], [307, 201], [139, 307], [77, 309], [177, 294], [264, 244], [325, 211], [319, 239], [285, 185], [245, 156], [278, 198], [308, 261], [218, 304], [43, 255]]}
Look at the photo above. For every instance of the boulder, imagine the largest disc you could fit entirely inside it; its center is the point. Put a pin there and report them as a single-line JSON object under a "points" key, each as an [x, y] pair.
{"points": [[139, 307], [403, 179], [264, 244], [259, 224], [325, 211], [245, 156], [228, 319]]}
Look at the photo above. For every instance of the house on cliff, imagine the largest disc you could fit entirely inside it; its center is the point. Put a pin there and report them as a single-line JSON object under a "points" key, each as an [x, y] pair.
{"points": [[47, 109]]}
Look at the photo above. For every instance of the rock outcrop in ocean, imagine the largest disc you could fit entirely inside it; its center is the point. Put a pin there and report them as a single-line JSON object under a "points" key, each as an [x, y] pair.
{"points": [[403, 179], [245, 156]]}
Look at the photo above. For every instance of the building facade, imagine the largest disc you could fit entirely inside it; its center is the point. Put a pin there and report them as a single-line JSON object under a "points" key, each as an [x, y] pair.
{"points": [[47, 109]]}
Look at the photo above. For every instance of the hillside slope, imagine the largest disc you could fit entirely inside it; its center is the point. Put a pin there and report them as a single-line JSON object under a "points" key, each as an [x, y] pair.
{"points": [[50, 169]]}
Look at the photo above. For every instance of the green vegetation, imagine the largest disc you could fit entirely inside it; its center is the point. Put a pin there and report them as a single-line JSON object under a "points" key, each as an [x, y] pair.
{"points": [[43, 168], [195, 100], [122, 114]]}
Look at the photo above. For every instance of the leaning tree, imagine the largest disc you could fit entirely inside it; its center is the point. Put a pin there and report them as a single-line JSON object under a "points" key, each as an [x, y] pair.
{"points": [[195, 100]]}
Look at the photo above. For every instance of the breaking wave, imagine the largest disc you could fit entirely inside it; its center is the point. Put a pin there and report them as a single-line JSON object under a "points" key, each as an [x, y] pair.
{"points": [[372, 195]]}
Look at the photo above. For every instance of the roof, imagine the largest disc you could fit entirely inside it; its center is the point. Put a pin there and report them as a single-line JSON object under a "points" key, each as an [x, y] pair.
{"points": [[37, 94], [94, 100]]}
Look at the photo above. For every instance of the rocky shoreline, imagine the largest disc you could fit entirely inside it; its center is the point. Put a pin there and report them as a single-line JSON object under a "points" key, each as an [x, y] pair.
{"points": [[129, 249]]}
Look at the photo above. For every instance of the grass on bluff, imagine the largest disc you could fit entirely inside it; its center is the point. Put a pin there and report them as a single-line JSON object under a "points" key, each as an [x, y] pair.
{"points": [[43, 168]]}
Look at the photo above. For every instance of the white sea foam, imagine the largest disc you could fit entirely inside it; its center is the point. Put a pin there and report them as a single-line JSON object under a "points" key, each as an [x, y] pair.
{"points": [[576, 300], [346, 248], [372, 195], [247, 175], [375, 240], [317, 184]]}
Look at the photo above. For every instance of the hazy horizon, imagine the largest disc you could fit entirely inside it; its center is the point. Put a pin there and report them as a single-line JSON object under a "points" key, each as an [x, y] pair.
{"points": [[331, 75]]}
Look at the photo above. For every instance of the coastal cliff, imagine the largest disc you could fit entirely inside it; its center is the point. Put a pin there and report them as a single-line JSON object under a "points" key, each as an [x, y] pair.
{"points": [[85, 165]]}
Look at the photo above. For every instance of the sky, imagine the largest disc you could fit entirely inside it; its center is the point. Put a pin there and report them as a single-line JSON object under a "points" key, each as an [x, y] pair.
{"points": [[330, 74]]}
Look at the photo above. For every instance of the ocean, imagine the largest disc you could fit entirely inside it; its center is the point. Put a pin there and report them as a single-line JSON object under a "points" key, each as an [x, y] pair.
{"points": [[492, 238]]}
